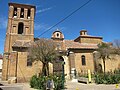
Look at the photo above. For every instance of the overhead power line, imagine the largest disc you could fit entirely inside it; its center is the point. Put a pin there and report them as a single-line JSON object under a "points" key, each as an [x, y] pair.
{"points": [[65, 18]]}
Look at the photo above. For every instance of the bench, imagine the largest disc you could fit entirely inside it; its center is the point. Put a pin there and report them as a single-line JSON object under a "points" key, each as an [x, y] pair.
{"points": [[83, 80]]}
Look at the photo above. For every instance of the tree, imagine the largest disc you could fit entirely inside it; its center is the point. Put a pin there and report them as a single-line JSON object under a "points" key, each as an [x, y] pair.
{"points": [[103, 52], [117, 46], [43, 50]]}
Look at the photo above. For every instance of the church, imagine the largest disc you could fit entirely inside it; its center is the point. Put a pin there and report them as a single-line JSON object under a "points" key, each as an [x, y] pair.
{"points": [[78, 54]]}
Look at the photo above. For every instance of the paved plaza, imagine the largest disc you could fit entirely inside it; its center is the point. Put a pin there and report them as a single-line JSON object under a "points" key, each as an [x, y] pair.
{"points": [[69, 86], [80, 86]]}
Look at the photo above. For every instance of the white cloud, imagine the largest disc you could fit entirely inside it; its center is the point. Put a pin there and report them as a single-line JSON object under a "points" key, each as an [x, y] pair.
{"points": [[41, 26], [3, 22], [43, 10], [37, 6]]}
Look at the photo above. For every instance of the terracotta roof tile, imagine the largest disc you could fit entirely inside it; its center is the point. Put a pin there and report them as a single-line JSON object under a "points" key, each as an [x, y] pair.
{"points": [[21, 43], [77, 45]]}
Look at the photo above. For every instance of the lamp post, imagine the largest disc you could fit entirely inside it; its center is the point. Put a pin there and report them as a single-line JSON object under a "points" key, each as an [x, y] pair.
{"points": [[16, 67], [63, 77]]}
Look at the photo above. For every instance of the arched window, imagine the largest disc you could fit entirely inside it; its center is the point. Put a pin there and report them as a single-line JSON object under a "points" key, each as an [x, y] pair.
{"points": [[83, 60], [20, 28]]}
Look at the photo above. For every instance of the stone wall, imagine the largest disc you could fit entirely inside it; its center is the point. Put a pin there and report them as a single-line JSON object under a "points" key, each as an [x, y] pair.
{"points": [[82, 69], [90, 40], [110, 64]]}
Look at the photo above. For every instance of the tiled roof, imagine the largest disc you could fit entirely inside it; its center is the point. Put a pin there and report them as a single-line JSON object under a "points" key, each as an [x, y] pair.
{"points": [[21, 43], [1, 57], [71, 44], [77, 45]]}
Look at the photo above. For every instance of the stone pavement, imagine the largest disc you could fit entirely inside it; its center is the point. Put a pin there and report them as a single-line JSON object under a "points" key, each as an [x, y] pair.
{"points": [[16, 86], [81, 86], [69, 86]]}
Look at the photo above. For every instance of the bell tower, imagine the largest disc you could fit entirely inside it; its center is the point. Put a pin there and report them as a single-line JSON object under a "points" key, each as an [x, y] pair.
{"points": [[57, 35], [20, 25], [19, 34]]}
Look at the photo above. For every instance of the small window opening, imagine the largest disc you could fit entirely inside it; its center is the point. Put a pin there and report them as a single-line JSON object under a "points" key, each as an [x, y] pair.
{"points": [[28, 14], [15, 12], [57, 34], [22, 13], [58, 47], [84, 33], [29, 62], [83, 60], [13, 31], [20, 28], [27, 30]]}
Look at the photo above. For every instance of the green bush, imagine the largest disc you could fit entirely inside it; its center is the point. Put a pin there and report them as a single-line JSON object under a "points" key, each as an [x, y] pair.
{"points": [[108, 78], [40, 82], [34, 82], [58, 82]]}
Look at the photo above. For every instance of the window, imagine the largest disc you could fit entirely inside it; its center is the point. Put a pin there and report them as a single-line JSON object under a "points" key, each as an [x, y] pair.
{"points": [[15, 12], [27, 30], [29, 62], [14, 29], [57, 34], [20, 28], [22, 13], [83, 60], [28, 14], [84, 33]]}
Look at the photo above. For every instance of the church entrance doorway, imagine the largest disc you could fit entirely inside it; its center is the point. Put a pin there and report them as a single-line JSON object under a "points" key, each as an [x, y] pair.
{"points": [[58, 65]]}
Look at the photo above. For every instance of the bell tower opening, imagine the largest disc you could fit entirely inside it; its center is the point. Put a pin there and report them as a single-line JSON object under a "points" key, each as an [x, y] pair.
{"points": [[15, 12], [22, 13], [20, 28], [28, 14]]}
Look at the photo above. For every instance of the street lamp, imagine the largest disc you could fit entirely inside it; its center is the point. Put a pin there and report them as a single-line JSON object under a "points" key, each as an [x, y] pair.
{"points": [[63, 73]]}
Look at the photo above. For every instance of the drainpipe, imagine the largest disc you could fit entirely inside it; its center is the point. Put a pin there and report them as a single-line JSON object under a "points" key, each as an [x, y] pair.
{"points": [[16, 67]]}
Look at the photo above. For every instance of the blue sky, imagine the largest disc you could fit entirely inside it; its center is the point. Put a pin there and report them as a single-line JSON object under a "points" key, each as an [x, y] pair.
{"points": [[99, 18]]}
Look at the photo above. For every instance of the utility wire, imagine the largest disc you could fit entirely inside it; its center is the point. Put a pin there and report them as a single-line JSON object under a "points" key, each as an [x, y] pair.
{"points": [[65, 18]]}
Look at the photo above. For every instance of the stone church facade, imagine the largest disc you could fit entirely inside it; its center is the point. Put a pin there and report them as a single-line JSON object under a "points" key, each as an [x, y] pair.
{"points": [[77, 53]]}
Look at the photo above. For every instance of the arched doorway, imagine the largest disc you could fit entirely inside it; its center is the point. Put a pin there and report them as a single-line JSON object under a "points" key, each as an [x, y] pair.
{"points": [[99, 69], [58, 65]]}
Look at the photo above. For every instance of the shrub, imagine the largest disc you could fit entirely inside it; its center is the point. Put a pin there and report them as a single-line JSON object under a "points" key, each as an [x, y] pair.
{"points": [[40, 82], [58, 82], [109, 78], [34, 82]]}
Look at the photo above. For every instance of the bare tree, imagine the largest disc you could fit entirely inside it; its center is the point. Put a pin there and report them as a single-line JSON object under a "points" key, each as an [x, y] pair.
{"points": [[43, 50], [117, 46]]}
